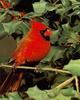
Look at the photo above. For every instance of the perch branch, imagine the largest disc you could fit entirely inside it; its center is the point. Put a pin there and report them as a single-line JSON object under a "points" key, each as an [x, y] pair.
{"points": [[41, 69]]}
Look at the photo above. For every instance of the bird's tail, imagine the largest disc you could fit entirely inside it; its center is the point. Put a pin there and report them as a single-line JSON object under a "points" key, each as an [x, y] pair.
{"points": [[12, 82]]}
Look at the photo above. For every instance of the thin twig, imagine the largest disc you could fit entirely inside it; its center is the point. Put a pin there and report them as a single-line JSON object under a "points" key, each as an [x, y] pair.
{"points": [[41, 69], [55, 70], [77, 84], [66, 82], [62, 85]]}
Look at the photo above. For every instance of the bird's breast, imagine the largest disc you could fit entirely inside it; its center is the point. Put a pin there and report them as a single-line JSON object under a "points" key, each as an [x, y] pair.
{"points": [[31, 50]]}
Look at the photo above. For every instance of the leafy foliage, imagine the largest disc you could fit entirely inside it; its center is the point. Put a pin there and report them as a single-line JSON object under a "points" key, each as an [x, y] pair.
{"points": [[63, 17], [73, 67]]}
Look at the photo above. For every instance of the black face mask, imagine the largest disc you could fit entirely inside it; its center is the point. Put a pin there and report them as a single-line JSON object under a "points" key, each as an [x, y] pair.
{"points": [[45, 37]]}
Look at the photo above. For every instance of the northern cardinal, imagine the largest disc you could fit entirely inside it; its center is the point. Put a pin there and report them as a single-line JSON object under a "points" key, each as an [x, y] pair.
{"points": [[33, 47]]}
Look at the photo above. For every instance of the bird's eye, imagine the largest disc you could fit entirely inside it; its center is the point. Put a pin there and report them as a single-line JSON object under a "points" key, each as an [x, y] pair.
{"points": [[43, 34], [43, 31]]}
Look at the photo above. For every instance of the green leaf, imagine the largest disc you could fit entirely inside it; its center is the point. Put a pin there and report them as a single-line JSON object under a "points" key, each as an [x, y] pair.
{"points": [[50, 55], [61, 97], [2, 32], [73, 39], [11, 96], [66, 3], [69, 37], [2, 17], [76, 12], [59, 94], [12, 26], [37, 94], [39, 7], [68, 92], [51, 7], [54, 36], [23, 27], [73, 67], [66, 28], [63, 39], [74, 1], [76, 28], [14, 96], [52, 93], [32, 15], [59, 53]]}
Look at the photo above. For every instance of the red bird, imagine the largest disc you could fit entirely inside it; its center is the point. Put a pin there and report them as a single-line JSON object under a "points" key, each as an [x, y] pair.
{"points": [[33, 47]]}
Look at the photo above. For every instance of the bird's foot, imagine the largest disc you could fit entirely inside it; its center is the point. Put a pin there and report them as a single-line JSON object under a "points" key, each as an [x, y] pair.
{"points": [[14, 67], [37, 69]]}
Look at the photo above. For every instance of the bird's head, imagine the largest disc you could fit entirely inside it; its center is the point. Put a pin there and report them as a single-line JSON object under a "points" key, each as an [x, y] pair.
{"points": [[42, 28]]}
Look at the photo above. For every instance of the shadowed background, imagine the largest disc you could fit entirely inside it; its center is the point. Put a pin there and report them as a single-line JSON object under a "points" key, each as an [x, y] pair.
{"points": [[7, 46]]}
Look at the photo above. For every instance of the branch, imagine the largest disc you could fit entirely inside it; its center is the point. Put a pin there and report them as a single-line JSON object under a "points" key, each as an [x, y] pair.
{"points": [[62, 85], [34, 68], [77, 84]]}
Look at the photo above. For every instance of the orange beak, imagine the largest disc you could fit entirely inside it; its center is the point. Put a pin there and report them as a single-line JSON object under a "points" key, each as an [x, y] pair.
{"points": [[48, 32]]}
